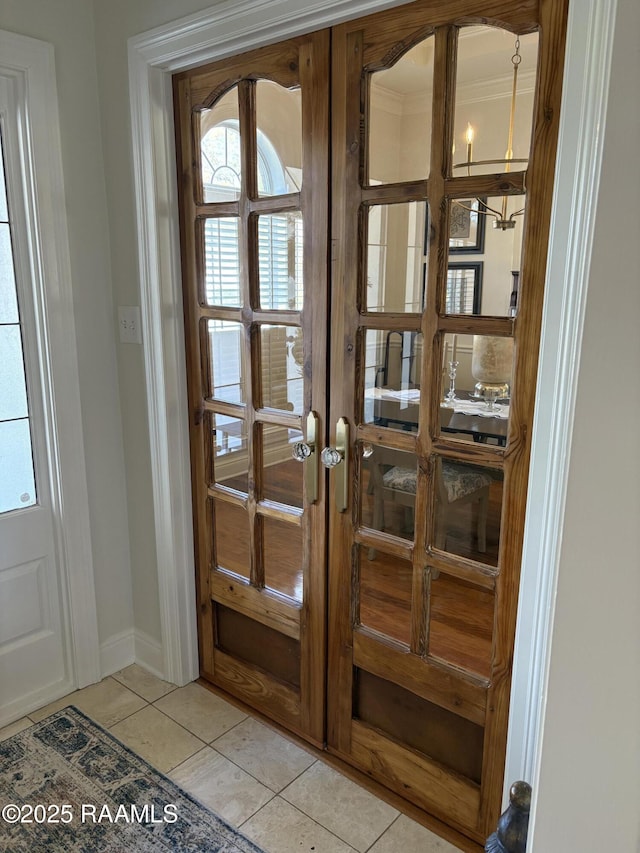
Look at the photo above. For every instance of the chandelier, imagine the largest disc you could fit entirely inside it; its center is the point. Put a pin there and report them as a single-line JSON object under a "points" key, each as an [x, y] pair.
{"points": [[501, 220]]}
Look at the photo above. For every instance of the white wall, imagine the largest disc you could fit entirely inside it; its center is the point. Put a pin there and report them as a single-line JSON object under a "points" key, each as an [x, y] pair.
{"points": [[68, 25], [589, 786]]}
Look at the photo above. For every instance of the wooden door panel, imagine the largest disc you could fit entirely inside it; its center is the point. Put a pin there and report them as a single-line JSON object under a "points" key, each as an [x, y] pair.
{"points": [[254, 230], [408, 647], [444, 572]]}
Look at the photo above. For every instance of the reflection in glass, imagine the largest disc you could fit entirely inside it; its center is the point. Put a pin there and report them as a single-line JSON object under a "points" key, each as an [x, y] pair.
{"points": [[280, 261], [396, 257], [231, 528], [279, 124], [281, 353], [226, 353], [400, 117], [282, 475], [385, 594], [460, 627], [486, 129], [282, 553], [392, 362], [222, 262], [492, 292], [221, 161], [229, 452], [468, 510], [466, 226], [388, 490], [464, 288]]}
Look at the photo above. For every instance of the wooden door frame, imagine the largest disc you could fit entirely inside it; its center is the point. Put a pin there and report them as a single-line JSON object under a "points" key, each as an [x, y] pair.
{"points": [[233, 27]]}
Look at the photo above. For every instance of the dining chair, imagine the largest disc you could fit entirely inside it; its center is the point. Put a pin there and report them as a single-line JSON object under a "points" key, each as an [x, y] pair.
{"points": [[394, 484]]}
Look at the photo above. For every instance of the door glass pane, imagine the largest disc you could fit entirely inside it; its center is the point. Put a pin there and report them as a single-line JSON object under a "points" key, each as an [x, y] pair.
{"points": [[476, 387], [464, 287], [232, 532], [483, 271], [486, 129], [226, 361], [279, 123], [282, 476], [280, 261], [17, 484], [460, 623], [385, 594], [8, 298], [13, 399], [221, 161], [468, 510], [17, 481], [4, 214], [396, 257], [282, 552], [229, 452], [400, 117], [392, 363], [281, 352], [388, 489], [467, 228], [222, 262]]}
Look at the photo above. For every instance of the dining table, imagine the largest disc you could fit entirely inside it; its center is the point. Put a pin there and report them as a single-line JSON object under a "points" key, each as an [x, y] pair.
{"points": [[483, 421]]}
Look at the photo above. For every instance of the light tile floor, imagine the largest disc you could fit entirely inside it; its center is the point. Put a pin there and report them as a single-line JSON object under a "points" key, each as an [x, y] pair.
{"points": [[279, 794]]}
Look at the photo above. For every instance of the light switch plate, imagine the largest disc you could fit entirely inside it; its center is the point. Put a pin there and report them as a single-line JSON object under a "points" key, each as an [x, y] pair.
{"points": [[129, 324]]}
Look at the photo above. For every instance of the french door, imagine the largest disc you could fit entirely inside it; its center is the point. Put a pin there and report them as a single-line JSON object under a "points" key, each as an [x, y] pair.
{"points": [[363, 298]]}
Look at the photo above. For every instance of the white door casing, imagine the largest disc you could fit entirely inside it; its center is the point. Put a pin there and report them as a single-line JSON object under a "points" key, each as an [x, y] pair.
{"points": [[235, 26], [48, 630]]}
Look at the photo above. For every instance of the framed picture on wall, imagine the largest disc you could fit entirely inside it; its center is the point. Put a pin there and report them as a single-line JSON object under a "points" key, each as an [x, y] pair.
{"points": [[464, 288], [466, 227]]}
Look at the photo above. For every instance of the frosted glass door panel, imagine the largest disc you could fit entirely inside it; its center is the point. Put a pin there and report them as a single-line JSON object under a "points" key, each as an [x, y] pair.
{"points": [[8, 301], [13, 399], [17, 483]]}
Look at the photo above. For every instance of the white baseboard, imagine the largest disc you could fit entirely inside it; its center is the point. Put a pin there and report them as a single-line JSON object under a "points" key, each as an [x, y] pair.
{"points": [[148, 653], [131, 646], [117, 652], [13, 711]]}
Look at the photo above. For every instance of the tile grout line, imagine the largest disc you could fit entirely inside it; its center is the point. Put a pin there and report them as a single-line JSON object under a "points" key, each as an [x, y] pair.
{"points": [[244, 770], [304, 814], [395, 820], [174, 687], [211, 744]]}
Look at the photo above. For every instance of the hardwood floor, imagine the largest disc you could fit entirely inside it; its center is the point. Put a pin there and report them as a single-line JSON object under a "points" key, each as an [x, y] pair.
{"points": [[461, 615]]}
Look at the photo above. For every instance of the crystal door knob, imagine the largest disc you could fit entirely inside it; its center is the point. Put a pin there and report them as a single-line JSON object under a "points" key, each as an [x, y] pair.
{"points": [[331, 457], [301, 451]]}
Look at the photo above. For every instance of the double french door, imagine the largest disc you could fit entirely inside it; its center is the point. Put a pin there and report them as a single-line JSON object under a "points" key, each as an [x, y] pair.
{"points": [[363, 298]]}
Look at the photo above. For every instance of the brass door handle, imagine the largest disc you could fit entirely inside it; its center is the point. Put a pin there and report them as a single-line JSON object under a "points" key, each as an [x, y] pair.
{"points": [[305, 451], [338, 457]]}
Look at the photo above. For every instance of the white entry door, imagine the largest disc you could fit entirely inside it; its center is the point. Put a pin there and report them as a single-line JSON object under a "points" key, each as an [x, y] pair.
{"points": [[34, 652]]}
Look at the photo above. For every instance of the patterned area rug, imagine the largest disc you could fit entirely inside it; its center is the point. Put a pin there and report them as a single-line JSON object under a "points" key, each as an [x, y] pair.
{"points": [[67, 786]]}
